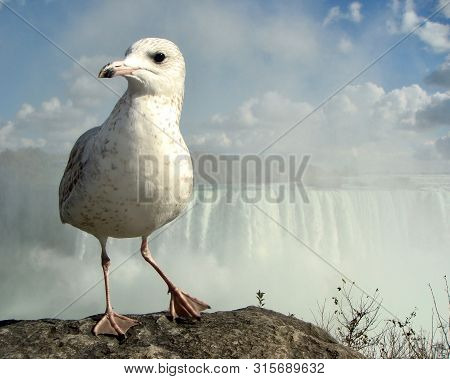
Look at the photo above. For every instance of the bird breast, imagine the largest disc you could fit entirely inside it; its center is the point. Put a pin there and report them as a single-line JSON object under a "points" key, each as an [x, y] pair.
{"points": [[141, 176]]}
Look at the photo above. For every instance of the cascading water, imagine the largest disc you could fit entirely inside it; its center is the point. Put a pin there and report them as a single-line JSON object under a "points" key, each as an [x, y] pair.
{"points": [[394, 239]]}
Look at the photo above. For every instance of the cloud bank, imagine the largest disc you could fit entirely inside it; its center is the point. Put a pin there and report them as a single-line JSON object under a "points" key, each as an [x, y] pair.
{"points": [[254, 74]]}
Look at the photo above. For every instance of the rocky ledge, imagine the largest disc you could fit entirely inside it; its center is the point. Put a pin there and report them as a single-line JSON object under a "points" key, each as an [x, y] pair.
{"points": [[250, 332]]}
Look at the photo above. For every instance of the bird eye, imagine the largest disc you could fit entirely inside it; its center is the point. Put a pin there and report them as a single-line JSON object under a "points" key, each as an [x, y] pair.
{"points": [[159, 57]]}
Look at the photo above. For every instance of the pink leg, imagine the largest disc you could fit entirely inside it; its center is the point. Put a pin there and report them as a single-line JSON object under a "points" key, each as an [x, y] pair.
{"points": [[112, 322], [181, 303]]}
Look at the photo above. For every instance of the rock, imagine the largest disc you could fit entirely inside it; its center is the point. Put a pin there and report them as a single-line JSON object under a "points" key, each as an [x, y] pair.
{"points": [[250, 332]]}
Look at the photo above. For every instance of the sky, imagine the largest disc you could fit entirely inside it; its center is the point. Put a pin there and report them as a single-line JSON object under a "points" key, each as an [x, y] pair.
{"points": [[253, 70]]}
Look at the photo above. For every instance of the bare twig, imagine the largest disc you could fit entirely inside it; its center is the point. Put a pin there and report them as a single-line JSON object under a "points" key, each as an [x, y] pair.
{"points": [[448, 299], [357, 324], [325, 318], [439, 317]]}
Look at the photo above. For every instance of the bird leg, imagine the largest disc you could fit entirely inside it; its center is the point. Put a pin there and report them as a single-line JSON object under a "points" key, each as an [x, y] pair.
{"points": [[181, 303], [112, 322]]}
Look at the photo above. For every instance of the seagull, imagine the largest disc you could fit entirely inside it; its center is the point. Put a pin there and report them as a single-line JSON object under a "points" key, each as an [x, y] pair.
{"points": [[133, 174]]}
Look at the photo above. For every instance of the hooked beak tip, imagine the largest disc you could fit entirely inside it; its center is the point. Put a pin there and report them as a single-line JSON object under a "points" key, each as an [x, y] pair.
{"points": [[106, 71], [119, 68]]}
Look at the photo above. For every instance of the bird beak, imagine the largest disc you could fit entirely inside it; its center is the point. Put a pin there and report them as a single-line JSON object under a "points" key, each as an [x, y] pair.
{"points": [[118, 68]]}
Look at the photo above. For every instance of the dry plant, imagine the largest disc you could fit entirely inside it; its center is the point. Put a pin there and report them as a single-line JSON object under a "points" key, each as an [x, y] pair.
{"points": [[324, 318], [355, 321]]}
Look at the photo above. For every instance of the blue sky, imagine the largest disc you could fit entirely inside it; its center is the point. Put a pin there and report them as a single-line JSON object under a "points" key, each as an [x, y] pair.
{"points": [[253, 69], [29, 52]]}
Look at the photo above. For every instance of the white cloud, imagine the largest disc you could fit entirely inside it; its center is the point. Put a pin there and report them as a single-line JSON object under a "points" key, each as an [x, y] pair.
{"points": [[355, 11], [10, 139], [401, 105], [245, 113], [56, 123], [434, 34], [24, 111], [38, 142], [436, 114], [50, 106], [53, 124], [441, 76], [345, 45], [230, 52], [84, 89], [219, 139], [446, 5], [443, 146], [5, 131], [234, 31], [363, 125], [245, 52], [333, 14], [353, 14]]}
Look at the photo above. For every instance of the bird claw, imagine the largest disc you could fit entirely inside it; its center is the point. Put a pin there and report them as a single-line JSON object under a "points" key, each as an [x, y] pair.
{"points": [[114, 324], [185, 305]]}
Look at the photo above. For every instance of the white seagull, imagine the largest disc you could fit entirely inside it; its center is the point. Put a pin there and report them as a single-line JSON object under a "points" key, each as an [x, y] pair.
{"points": [[133, 174]]}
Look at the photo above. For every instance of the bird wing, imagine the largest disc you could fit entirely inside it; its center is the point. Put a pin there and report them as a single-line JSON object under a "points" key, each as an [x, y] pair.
{"points": [[74, 169]]}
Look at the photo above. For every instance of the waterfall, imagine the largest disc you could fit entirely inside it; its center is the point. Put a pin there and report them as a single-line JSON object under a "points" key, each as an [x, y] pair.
{"points": [[393, 238]]}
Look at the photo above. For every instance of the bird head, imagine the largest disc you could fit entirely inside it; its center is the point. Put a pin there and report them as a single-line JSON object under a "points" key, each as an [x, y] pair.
{"points": [[152, 66]]}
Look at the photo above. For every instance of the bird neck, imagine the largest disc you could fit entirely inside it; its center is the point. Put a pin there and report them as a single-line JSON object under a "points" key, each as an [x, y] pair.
{"points": [[163, 111]]}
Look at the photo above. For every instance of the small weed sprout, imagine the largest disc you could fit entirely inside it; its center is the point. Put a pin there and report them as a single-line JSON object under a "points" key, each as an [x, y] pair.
{"points": [[260, 298]]}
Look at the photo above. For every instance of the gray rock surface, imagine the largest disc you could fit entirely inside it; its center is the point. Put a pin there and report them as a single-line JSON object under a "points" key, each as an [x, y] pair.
{"points": [[250, 332]]}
